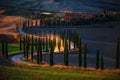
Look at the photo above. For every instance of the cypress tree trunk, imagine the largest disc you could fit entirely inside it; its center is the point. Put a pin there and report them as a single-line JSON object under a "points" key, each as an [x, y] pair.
{"points": [[117, 53], [102, 62], [3, 49], [51, 53], [79, 54], [6, 50], [97, 59], [85, 56]]}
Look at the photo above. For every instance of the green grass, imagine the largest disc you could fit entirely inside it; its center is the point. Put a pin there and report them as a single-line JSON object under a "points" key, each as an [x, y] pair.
{"points": [[30, 73], [11, 48]]}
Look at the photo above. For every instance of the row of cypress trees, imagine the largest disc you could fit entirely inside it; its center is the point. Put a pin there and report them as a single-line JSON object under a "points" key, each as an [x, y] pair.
{"points": [[68, 36]]}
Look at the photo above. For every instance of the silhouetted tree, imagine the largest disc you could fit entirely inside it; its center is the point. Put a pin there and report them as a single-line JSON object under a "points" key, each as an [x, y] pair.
{"points": [[20, 42], [79, 53], [117, 53], [85, 56], [46, 43], [35, 22], [102, 62], [38, 52], [32, 48], [66, 53], [6, 49], [24, 45], [59, 44], [97, 59], [51, 53], [3, 48]]}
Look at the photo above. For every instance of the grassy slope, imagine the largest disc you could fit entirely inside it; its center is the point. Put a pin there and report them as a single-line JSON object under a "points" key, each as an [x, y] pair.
{"points": [[27, 73]]}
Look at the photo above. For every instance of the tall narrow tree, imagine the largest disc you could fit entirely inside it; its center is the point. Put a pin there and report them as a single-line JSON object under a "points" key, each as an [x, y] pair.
{"points": [[24, 46], [6, 50], [40, 47], [102, 62], [85, 56], [97, 59], [117, 53], [46, 43], [3, 48], [79, 53], [51, 53], [20, 42], [32, 48], [38, 52], [59, 44], [66, 60]]}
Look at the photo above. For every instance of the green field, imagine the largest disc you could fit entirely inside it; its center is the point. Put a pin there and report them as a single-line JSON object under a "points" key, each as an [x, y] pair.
{"points": [[11, 48], [30, 73]]}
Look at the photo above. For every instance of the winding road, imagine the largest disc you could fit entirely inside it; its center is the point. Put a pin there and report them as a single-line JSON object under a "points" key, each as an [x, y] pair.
{"points": [[96, 38]]}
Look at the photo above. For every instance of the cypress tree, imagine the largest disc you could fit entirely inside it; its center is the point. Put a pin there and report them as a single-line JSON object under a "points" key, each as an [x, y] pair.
{"points": [[59, 44], [20, 43], [79, 53], [46, 43], [43, 43], [51, 53], [36, 43], [32, 48], [49, 37], [102, 62], [27, 44], [97, 59], [38, 52], [36, 23], [54, 41], [117, 53], [85, 56], [6, 50], [27, 47], [66, 53], [24, 46], [3, 48], [40, 47]]}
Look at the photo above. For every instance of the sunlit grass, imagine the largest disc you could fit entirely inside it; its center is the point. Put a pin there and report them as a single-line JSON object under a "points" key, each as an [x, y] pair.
{"points": [[31, 73]]}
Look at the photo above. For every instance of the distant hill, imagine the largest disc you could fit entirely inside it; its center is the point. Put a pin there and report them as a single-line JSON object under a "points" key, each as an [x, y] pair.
{"points": [[62, 5]]}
